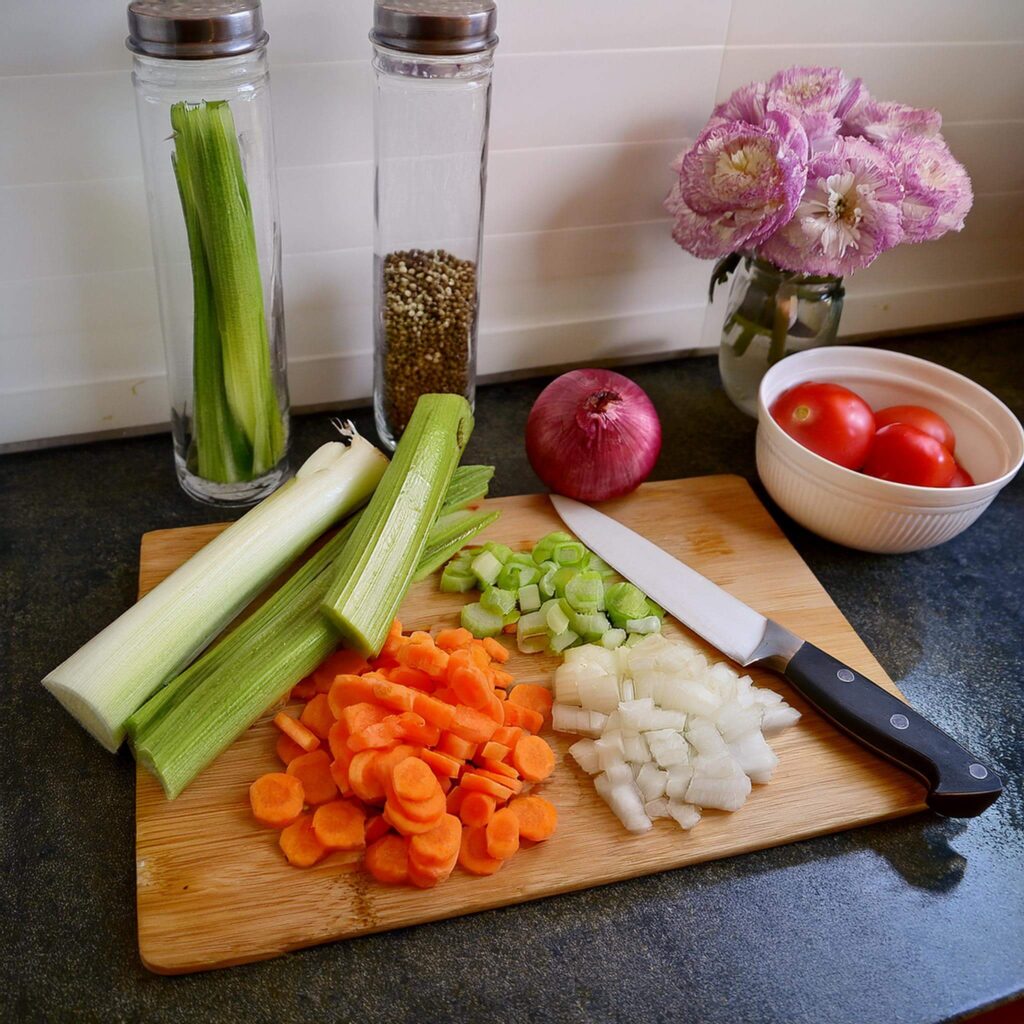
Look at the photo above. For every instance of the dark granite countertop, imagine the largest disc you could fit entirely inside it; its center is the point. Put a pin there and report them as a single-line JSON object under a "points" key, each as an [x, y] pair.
{"points": [[919, 920]]}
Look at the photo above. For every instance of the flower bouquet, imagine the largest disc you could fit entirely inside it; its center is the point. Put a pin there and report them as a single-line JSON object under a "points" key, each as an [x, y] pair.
{"points": [[806, 178]]}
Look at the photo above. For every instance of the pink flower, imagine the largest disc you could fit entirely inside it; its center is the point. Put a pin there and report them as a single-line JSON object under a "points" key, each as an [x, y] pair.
{"points": [[850, 213], [748, 103], [936, 186], [738, 184], [820, 97], [881, 121]]}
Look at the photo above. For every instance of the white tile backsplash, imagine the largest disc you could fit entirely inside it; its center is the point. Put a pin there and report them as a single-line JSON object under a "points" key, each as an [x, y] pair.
{"points": [[592, 98]]}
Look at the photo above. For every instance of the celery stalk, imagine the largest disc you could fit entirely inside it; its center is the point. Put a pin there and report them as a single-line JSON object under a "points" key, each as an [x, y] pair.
{"points": [[184, 726], [217, 208], [379, 561]]}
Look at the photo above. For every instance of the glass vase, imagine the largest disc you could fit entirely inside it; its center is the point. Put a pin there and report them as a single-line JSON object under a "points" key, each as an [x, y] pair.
{"points": [[771, 314]]}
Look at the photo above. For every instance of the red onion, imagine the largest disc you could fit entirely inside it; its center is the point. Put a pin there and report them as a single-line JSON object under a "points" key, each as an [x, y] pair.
{"points": [[593, 435]]}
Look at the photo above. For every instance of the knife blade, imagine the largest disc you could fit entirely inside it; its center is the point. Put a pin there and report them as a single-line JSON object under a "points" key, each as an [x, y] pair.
{"points": [[959, 784]]}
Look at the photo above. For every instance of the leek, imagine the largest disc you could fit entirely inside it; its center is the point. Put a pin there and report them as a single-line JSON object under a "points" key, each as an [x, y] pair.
{"points": [[185, 725], [379, 560], [104, 682], [237, 424]]}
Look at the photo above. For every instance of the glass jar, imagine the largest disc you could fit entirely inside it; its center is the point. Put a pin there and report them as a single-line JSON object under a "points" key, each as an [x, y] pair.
{"points": [[202, 93], [433, 61], [771, 314]]}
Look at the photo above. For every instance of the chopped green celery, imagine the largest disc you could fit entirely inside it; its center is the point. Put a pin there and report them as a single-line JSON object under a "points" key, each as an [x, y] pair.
{"points": [[598, 564], [532, 624], [512, 617], [532, 644], [613, 638], [455, 582], [481, 622], [633, 639], [590, 625], [653, 608], [557, 620], [546, 584], [529, 598], [187, 723], [522, 558], [497, 601], [560, 641], [625, 601], [515, 575], [376, 567], [571, 553], [215, 197], [650, 624], [542, 550], [585, 592], [469, 483], [447, 535], [486, 568], [561, 578], [502, 552]]}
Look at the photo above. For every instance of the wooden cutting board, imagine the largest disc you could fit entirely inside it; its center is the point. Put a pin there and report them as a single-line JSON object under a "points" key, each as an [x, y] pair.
{"points": [[214, 889]]}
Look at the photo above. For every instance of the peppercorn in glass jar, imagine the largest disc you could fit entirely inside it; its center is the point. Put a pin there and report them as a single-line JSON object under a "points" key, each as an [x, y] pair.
{"points": [[433, 61]]}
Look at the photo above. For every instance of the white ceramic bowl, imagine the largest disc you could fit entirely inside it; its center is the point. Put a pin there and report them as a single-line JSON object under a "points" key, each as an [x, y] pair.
{"points": [[878, 515]]}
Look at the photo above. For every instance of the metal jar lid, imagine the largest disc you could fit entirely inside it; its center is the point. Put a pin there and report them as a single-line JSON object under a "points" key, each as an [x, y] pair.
{"points": [[195, 29], [436, 28]]}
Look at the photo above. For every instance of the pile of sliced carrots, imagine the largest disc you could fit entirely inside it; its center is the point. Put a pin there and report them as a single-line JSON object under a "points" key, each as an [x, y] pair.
{"points": [[429, 749]]}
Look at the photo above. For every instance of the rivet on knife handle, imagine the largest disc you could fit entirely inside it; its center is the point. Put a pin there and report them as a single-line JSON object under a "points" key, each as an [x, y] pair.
{"points": [[959, 784]]}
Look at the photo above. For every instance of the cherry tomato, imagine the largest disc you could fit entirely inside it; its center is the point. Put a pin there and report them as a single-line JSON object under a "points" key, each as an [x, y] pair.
{"points": [[918, 416], [907, 455], [831, 420], [961, 478]]}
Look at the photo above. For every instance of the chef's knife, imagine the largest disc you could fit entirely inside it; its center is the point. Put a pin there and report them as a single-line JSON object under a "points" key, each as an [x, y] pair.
{"points": [[959, 784]]}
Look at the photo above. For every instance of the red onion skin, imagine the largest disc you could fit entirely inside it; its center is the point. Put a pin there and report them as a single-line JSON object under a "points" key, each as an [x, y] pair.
{"points": [[593, 435]]}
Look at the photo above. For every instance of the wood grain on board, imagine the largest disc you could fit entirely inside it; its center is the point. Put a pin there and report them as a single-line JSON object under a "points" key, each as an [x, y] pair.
{"points": [[215, 890]]}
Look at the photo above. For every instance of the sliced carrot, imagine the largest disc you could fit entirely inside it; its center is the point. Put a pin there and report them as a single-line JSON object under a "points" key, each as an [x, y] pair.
{"points": [[445, 784], [441, 764], [473, 725], [388, 860], [414, 729], [381, 736], [425, 657], [288, 749], [362, 776], [447, 695], [341, 663], [454, 800], [412, 677], [385, 763], [493, 751], [420, 810], [348, 690], [413, 780], [473, 855], [533, 758], [477, 809], [393, 641], [393, 695], [495, 650], [501, 677], [508, 781], [525, 718], [276, 799], [339, 772], [453, 639], [432, 710], [300, 844], [536, 698], [538, 817], [317, 716], [456, 746], [495, 709], [509, 629], [313, 770], [375, 828], [499, 768], [337, 739], [358, 716], [470, 685], [508, 736], [472, 782], [401, 822], [503, 834], [340, 825], [304, 689], [438, 846]]}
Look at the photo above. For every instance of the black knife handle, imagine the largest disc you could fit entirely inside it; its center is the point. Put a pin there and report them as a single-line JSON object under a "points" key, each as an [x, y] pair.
{"points": [[959, 785]]}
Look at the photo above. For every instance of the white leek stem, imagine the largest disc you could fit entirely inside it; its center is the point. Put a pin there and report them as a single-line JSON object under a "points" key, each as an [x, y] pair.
{"points": [[105, 681]]}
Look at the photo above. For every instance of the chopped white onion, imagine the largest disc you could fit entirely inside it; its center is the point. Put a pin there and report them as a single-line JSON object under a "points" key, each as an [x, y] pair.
{"points": [[625, 801], [678, 782], [668, 747], [652, 781], [778, 717], [565, 718], [635, 749], [686, 815], [754, 756], [584, 752], [657, 808], [705, 738]]}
